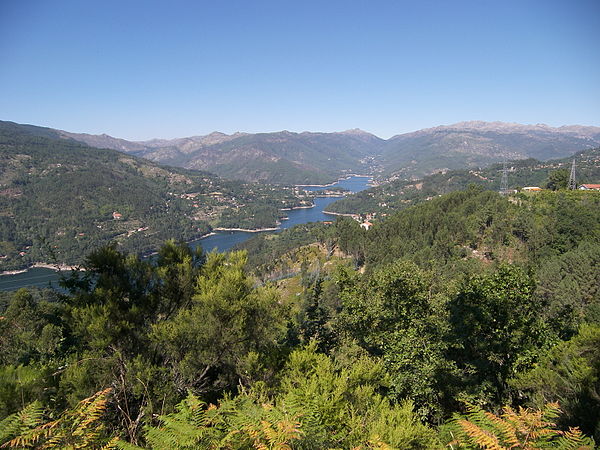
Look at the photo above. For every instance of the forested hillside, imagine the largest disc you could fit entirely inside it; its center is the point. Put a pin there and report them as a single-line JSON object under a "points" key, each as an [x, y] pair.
{"points": [[478, 144], [282, 157], [469, 321], [60, 199], [400, 193]]}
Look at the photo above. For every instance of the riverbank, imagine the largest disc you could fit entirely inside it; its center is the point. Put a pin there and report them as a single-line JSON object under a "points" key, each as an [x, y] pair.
{"points": [[246, 230], [318, 185], [67, 267], [57, 267], [298, 207], [40, 265], [13, 272], [260, 230], [340, 214], [335, 182]]}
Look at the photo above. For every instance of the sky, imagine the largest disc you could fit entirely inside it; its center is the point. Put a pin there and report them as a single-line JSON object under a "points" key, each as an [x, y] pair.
{"points": [[149, 69]]}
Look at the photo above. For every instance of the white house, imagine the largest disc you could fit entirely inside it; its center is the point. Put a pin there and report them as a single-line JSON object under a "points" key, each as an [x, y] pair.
{"points": [[590, 187]]}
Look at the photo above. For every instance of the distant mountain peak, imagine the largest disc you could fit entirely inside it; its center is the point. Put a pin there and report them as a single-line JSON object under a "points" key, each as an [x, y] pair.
{"points": [[356, 131], [506, 128], [512, 127], [217, 134]]}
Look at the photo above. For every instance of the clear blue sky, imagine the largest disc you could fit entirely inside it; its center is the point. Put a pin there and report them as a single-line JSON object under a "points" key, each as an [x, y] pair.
{"points": [[142, 69]]}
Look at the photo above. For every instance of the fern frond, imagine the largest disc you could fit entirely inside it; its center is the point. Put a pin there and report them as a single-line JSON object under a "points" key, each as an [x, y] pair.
{"points": [[76, 428], [574, 439], [122, 445], [483, 438], [523, 429], [21, 422]]}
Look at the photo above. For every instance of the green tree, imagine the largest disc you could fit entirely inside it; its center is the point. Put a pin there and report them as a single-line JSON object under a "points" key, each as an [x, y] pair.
{"points": [[177, 267], [570, 374], [395, 313], [30, 329], [569, 289], [208, 342], [496, 330], [111, 308], [351, 238], [314, 319], [557, 179], [317, 404]]}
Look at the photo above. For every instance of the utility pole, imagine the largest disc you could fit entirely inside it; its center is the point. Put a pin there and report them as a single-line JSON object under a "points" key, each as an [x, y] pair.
{"points": [[504, 181], [572, 182]]}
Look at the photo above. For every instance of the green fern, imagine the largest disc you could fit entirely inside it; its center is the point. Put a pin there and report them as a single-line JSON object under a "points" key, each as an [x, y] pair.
{"points": [[22, 422], [522, 429], [318, 405], [80, 427], [235, 423]]}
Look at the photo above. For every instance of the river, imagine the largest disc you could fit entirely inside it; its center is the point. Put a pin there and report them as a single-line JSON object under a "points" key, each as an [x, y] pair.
{"points": [[221, 240]]}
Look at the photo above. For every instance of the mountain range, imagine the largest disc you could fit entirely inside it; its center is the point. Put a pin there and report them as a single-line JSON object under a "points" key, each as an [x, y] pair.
{"points": [[311, 158], [283, 157], [478, 144], [317, 158]]}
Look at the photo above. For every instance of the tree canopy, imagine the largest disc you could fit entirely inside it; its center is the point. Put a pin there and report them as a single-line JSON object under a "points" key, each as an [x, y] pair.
{"points": [[458, 323]]}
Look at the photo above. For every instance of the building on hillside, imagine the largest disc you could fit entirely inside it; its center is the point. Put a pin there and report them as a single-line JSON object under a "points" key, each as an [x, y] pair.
{"points": [[531, 188], [590, 187], [366, 225], [117, 216]]}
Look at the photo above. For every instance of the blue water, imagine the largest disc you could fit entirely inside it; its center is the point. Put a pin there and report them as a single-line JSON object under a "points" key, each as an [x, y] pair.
{"points": [[37, 277], [221, 241], [224, 240], [353, 184]]}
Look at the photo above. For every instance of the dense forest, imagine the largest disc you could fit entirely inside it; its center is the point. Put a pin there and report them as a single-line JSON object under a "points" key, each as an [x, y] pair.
{"points": [[468, 321], [60, 199], [399, 193]]}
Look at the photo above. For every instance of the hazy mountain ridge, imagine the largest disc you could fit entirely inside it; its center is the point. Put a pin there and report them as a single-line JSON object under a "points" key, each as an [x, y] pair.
{"points": [[281, 157], [477, 144], [319, 157], [510, 127]]}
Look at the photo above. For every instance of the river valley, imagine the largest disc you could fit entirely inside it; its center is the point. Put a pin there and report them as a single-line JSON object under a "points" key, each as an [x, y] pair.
{"points": [[220, 240]]}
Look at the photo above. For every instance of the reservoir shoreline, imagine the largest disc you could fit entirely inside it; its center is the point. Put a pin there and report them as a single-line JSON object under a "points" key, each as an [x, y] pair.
{"points": [[340, 214], [246, 230], [335, 182], [41, 265], [219, 239]]}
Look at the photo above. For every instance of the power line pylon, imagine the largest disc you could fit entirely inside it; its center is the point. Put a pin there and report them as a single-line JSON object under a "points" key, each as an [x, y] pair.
{"points": [[504, 181], [572, 182]]}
